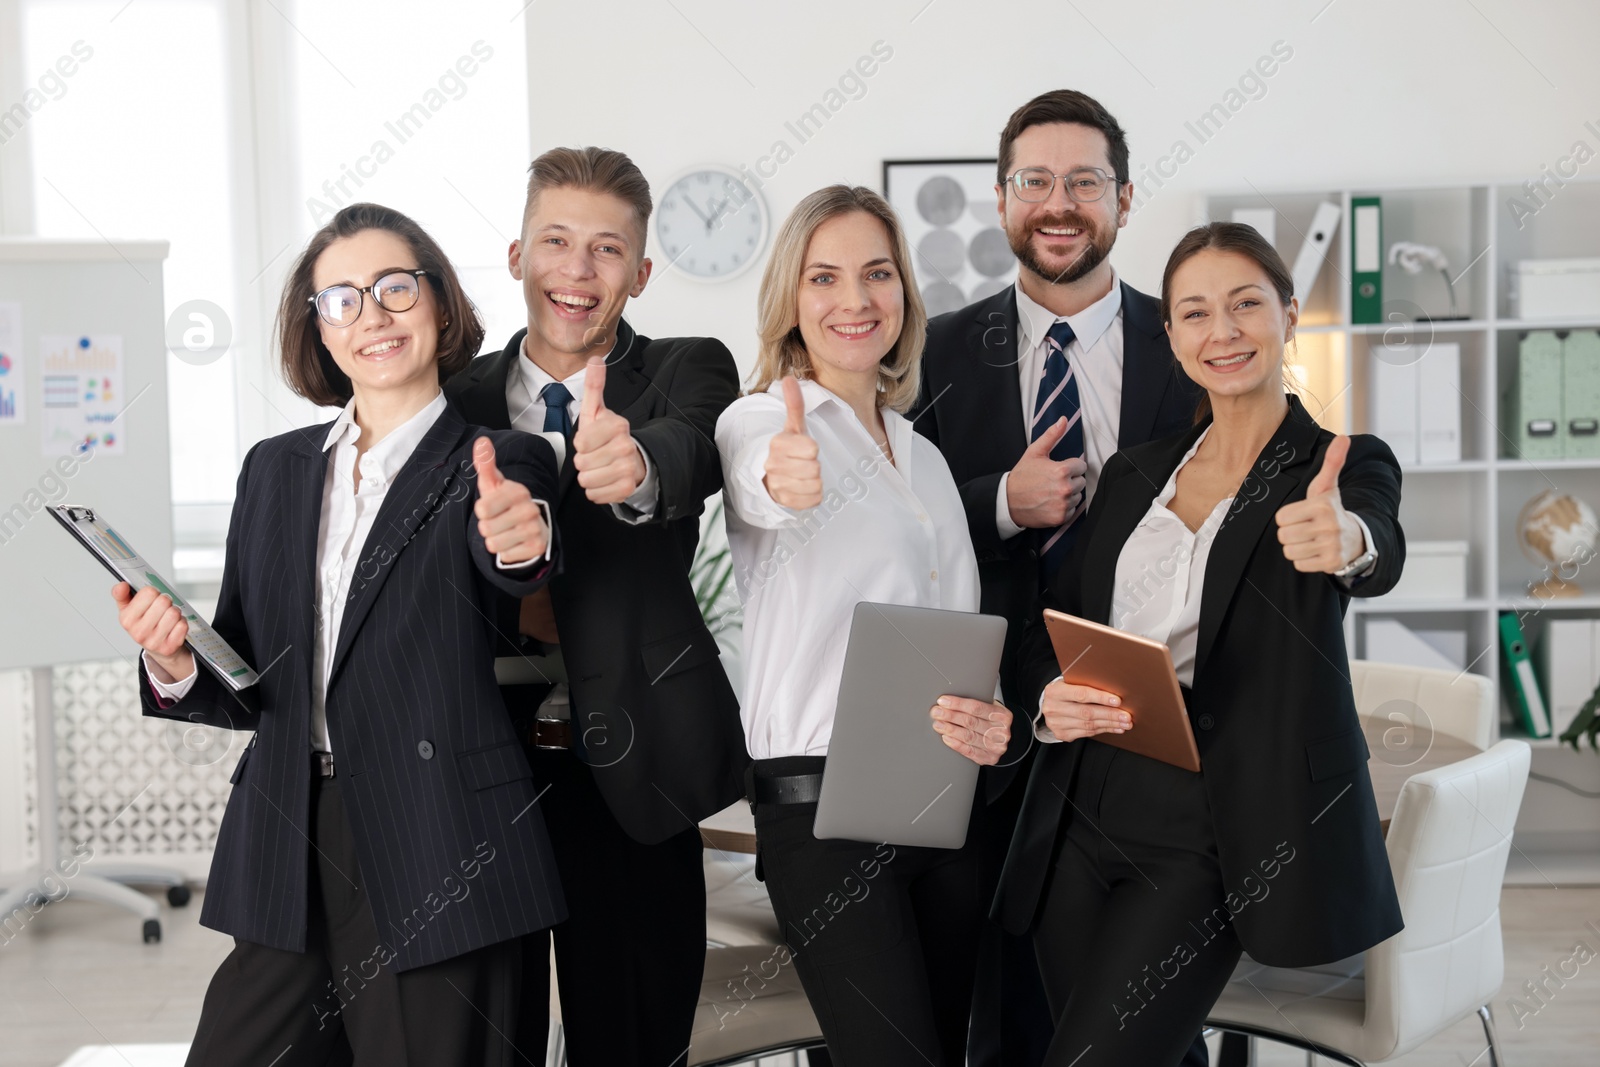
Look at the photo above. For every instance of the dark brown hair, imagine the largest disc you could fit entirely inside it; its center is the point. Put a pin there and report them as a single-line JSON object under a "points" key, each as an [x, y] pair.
{"points": [[1064, 105], [600, 170], [1225, 237], [308, 366]]}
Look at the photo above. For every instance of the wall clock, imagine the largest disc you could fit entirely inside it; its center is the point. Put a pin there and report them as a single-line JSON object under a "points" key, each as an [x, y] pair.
{"points": [[712, 223]]}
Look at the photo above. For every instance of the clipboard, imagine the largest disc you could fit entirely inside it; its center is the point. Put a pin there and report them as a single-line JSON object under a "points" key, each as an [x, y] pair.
{"points": [[1139, 671], [118, 557]]}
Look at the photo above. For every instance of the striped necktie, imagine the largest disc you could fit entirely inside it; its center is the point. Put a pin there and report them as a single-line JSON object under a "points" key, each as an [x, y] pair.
{"points": [[1057, 399]]}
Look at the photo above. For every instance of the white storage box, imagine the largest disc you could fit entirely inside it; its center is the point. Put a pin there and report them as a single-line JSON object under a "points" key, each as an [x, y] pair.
{"points": [[1434, 570], [1556, 288]]}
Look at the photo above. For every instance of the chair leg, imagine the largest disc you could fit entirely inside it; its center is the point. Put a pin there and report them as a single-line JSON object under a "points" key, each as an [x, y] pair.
{"points": [[1496, 1058]]}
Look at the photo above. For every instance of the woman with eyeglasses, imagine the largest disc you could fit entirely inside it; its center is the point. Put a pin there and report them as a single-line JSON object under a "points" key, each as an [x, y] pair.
{"points": [[381, 852]]}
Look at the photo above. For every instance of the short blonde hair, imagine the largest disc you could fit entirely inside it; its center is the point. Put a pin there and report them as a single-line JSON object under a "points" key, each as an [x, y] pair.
{"points": [[782, 350]]}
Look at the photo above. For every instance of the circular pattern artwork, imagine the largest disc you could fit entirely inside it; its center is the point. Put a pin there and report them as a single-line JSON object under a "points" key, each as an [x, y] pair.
{"points": [[960, 253]]}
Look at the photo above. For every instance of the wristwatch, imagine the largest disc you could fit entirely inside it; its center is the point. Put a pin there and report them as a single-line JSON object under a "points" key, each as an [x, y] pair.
{"points": [[1357, 565]]}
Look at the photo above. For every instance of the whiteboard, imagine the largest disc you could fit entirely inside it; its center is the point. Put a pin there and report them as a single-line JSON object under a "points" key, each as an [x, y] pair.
{"points": [[55, 601]]}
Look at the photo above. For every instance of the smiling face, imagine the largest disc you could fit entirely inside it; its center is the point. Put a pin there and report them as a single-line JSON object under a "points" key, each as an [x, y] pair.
{"points": [[1059, 239], [580, 257], [1229, 324], [851, 300], [382, 349]]}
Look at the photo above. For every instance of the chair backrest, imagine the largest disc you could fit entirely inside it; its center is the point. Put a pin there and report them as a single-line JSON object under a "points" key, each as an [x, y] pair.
{"points": [[1455, 703], [1448, 844]]}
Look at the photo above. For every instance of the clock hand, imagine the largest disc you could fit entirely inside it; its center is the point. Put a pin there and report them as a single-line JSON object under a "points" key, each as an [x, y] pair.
{"points": [[698, 213], [716, 213]]}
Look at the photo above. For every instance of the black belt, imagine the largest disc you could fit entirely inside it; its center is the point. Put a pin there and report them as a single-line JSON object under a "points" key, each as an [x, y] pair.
{"points": [[786, 788], [544, 733]]}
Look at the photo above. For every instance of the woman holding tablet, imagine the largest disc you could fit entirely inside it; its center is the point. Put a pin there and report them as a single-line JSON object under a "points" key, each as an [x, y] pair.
{"points": [[832, 500], [1238, 544], [381, 852]]}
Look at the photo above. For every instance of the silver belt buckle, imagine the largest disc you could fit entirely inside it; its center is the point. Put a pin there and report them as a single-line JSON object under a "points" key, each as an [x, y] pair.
{"points": [[324, 763]]}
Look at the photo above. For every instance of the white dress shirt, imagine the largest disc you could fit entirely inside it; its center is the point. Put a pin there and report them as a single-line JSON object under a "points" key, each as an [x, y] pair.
{"points": [[1161, 573], [348, 512], [883, 533], [527, 410], [1095, 356]]}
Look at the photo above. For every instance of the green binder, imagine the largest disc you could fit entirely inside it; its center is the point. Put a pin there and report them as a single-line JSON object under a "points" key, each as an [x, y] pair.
{"points": [[1366, 260], [1580, 395], [1532, 419], [1522, 687]]}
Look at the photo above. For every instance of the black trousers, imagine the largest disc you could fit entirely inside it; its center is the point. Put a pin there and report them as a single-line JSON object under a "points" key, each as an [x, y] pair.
{"points": [[883, 937], [633, 949], [1135, 943], [1011, 1022], [334, 1003]]}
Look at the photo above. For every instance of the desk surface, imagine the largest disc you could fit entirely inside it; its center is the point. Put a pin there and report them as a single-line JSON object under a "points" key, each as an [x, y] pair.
{"points": [[1397, 752]]}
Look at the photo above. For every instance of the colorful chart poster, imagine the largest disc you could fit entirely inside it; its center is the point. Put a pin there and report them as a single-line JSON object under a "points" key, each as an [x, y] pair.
{"points": [[83, 401], [12, 382]]}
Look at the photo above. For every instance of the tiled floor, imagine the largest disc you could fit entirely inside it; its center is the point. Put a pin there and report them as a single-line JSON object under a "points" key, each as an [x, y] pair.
{"points": [[78, 976]]}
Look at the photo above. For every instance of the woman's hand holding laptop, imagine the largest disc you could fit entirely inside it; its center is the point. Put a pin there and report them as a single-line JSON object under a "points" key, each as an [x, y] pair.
{"points": [[977, 730], [1074, 711]]}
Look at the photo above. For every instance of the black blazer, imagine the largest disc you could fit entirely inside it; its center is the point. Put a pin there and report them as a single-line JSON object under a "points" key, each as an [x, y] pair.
{"points": [[453, 855], [971, 406], [660, 721], [1284, 760]]}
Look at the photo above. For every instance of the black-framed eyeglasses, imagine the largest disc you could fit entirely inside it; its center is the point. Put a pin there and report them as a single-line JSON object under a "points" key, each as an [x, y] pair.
{"points": [[340, 305], [1085, 184]]}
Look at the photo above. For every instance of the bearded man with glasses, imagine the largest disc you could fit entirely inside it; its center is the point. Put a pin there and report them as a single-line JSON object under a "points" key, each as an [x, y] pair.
{"points": [[1027, 393]]}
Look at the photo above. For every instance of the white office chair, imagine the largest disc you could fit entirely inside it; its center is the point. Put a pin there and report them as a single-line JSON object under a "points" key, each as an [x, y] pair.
{"points": [[1455, 703], [751, 1007], [1447, 846], [738, 910]]}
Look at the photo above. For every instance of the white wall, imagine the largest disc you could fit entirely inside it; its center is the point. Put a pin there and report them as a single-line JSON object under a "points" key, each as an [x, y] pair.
{"points": [[1403, 92]]}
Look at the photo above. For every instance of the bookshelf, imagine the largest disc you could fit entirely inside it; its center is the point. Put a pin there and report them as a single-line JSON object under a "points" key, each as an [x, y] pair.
{"points": [[1477, 499]]}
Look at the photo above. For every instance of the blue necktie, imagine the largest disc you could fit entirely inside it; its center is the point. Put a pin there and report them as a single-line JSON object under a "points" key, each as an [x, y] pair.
{"points": [[556, 397], [1057, 398]]}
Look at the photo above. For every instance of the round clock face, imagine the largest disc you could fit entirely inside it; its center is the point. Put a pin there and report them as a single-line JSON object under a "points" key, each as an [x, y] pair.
{"points": [[711, 224]]}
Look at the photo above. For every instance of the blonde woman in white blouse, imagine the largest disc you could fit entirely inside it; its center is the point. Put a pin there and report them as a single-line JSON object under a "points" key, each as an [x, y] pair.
{"points": [[833, 499]]}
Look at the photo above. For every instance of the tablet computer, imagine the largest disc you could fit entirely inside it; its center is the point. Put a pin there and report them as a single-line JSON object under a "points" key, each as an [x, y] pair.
{"points": [[890, 777], [118, 557], [1139, 671]]}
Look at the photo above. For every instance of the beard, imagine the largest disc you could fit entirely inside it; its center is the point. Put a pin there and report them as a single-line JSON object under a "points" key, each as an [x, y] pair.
{"points": [[1099, 246]]}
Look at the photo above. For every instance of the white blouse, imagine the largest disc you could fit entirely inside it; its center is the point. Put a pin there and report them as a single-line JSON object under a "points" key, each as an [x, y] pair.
{"points": [[1161, 571], [884, 533]]}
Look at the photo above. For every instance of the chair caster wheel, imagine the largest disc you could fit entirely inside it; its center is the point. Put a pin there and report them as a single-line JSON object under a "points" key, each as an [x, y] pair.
{"points": [[178, 895], [152, 930]]}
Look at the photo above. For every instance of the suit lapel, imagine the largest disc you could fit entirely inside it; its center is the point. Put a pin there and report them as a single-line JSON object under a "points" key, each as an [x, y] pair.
{"points": [[410, 502], [483, 401], [626, 383], [1147, 364], [993, 336], [1280, 468], [301, 505]]}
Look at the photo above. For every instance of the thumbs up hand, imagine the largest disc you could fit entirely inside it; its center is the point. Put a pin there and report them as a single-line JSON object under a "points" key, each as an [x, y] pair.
{"points": [[1318, 535], [793, 472], [1042, 492], [511, 523], [609, 464]]}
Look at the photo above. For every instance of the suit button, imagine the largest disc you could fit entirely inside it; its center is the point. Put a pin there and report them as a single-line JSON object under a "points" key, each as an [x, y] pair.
{"points": [[425, 749], [1206, 722]]}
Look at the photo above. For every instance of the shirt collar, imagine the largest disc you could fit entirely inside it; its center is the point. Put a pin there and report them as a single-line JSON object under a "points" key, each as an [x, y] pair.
{"points": [[1088, 325], [391, 453], [535, 377]]}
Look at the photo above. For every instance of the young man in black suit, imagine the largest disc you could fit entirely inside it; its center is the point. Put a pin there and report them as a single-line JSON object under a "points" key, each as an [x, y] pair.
{"points": [[1027, 393], [612, 677]]}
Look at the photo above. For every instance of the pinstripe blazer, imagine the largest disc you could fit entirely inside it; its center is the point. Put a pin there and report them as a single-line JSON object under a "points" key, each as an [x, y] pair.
{"points": [[453, 853]]}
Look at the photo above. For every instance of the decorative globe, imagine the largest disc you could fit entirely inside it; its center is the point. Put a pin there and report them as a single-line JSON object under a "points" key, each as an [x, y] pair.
{"points": [[1561, 532]]}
